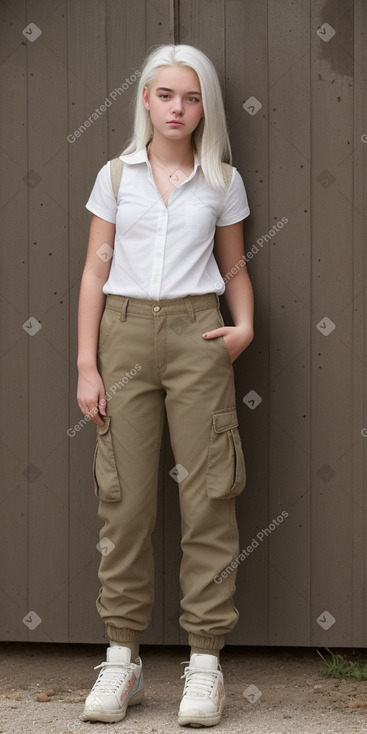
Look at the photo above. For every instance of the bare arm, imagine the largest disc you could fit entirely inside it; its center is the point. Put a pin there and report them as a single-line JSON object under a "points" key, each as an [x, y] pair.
{"points": [[229, 253], [91, 392]]}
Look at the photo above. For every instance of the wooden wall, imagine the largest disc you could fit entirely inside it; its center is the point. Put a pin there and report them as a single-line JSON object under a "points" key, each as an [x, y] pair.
{"points": [[302, 155]]}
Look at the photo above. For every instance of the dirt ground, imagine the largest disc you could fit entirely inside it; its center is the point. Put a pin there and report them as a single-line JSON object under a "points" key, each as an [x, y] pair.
{"points": [[268, 691]]}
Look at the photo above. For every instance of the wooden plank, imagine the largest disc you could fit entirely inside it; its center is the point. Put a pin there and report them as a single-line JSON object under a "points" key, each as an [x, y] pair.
{"points": [[14, 312], [132, 29], [332, 352], [246, 75], [48, 348], [359, 327], [289, 264], [87, 152], [201, 24]]}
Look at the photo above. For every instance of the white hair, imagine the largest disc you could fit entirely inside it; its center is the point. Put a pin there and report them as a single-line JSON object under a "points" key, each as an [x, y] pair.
{"points": [[210, 139]]}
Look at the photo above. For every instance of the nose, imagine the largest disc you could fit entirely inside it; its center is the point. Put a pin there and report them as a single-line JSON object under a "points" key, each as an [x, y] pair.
{"points": [[177, 107]]}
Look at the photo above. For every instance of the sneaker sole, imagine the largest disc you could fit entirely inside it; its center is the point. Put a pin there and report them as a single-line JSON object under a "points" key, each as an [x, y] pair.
{"points": [[197, 720], [188, 721], [109, 717]]}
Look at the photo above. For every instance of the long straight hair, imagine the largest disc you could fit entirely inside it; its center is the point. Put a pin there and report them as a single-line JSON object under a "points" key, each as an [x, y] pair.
{"points": [[210, 139]]}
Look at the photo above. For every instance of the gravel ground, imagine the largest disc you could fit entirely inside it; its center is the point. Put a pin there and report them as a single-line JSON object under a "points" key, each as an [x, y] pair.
{"points": [[43, 687]]}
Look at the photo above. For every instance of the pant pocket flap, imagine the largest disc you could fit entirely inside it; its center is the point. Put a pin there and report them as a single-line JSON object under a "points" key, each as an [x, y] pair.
{"points": [[106, 480], [224, 420], [226, 471]]}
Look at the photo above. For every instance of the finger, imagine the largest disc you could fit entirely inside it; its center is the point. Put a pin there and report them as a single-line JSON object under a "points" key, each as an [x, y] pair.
{"points": [[102, 405], [94, 415], [97, 419], [213, 334], [90, 411]]}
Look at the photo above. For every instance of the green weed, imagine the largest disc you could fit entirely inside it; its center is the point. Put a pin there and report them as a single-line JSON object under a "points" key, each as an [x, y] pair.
{"points": [[337, 666]]}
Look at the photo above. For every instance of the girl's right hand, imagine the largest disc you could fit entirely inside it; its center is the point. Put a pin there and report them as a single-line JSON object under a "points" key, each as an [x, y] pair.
{"points": [[91, 395]]}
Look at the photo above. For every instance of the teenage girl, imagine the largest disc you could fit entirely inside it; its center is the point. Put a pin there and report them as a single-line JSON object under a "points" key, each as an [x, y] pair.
{"points": [[152, 340]]}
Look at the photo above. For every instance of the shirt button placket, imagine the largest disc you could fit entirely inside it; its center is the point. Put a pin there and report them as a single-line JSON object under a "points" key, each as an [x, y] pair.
{"points": [[158, 255]]}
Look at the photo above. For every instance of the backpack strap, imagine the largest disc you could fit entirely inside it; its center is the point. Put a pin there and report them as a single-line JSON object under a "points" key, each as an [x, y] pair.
{"points": [[227, 171], [116, 166]]}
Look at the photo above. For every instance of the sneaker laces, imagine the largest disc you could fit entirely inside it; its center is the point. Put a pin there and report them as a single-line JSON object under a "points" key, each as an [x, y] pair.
{"points": [[111, 676], [199, 682]]}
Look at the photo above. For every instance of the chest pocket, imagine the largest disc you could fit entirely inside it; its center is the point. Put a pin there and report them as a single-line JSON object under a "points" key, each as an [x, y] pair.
{"points": [[200, 219]]}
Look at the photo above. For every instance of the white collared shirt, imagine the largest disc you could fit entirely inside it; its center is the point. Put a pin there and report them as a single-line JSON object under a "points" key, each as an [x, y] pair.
{"points": [[164, 252]]}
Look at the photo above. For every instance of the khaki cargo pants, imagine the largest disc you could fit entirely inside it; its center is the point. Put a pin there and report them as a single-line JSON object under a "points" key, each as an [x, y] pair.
{"points": [[152, 359]]}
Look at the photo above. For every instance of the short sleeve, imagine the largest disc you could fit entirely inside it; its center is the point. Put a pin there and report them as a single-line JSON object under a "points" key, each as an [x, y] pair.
{"points": [[235, 205], [102, 201]]}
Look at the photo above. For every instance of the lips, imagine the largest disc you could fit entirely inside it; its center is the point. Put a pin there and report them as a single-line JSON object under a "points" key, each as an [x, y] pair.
{"points": [[174, 122]]}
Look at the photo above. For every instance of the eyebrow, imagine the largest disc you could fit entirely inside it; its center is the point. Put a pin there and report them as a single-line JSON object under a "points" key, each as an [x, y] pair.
{"points": [[166, 89]]}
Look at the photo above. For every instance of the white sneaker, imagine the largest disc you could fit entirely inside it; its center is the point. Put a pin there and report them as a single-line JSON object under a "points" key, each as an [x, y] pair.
{"points": [[203, 697], [119, 685]]}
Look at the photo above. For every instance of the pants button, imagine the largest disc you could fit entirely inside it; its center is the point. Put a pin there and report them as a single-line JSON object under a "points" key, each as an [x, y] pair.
{"points": [[156, 309]]}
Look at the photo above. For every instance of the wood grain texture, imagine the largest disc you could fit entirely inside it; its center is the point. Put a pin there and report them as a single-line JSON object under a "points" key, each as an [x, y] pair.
{"points": [[14, 312], [303, 162]]}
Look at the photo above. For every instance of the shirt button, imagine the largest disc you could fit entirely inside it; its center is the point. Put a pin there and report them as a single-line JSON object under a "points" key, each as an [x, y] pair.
{"points": [[156, 309]]}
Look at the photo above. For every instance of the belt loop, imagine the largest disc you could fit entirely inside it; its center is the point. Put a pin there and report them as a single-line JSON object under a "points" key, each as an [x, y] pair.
{"points": [[124, 308], [189, 308]]}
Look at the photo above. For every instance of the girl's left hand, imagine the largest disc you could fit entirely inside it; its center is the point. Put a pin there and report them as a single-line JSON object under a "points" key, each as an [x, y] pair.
{"points": [[237, 338]]}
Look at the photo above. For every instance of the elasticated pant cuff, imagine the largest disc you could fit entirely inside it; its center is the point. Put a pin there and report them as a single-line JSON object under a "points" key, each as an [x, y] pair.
{"points": [[122, 634], [203, 642]]}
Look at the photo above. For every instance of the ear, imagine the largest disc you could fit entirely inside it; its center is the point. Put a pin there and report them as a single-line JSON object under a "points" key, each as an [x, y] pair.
{"points": [[146, 98]]}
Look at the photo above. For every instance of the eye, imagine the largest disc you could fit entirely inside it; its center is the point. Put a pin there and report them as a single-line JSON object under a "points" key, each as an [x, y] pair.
{"points": [[193, 99], [163, 96]]}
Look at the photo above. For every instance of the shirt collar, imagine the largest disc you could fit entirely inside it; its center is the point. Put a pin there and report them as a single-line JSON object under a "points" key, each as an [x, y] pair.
{"points": [[141, 156]]}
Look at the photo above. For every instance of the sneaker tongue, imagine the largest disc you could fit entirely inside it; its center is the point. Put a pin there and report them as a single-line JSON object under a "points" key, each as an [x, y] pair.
{"points": [[205, 662], [118, 654]]}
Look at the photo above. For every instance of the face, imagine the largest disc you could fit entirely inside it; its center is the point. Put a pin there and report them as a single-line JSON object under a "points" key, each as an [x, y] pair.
{"points": [[174, 101]]}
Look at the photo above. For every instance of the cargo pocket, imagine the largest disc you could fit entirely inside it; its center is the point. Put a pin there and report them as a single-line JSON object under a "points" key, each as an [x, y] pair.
{"points": [[106, 481], [226, 473]]}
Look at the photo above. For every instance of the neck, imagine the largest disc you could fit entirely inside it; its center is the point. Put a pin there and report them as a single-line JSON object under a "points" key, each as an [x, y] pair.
{"points": [[171, 152]]}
